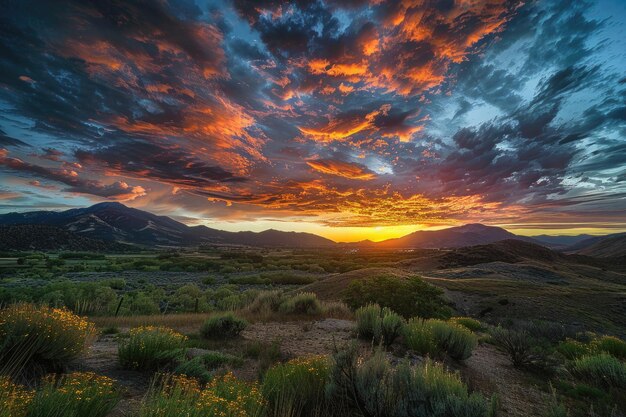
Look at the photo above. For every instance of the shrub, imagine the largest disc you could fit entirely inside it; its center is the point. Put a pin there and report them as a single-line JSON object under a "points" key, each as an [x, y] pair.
{"points": [[223, 326], [75, 395], [611, 345], [573, 349], [418, 337], [14, 398], [377, 388], [149, 348], [454, 339], [302, 303], [600, 370], [408, 297], [266, 353], [368, 321], [336, 309], [200, 367], [266, 302], [297, 387], [209, 280], [194, 368], [517, 344], [472, 324], [435, 337], [223, 397], [42, 336], [391, 325]]}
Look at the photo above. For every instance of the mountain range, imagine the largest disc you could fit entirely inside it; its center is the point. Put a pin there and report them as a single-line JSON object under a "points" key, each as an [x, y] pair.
{"points": [[115, 224]]}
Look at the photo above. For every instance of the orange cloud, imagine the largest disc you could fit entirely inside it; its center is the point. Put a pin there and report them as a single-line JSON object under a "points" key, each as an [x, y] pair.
{"points": [[342, 169]]}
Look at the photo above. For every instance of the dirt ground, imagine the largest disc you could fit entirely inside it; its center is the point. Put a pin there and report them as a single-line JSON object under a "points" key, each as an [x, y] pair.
{"points": [[487, 370]]}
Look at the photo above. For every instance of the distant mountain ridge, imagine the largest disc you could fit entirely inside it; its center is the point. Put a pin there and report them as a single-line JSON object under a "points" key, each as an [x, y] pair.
{"points": [[114, 222], [454, 237], [609, 246]]}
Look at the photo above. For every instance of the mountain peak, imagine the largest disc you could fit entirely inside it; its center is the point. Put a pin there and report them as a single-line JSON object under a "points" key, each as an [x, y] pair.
{"points": [[106, 205]]}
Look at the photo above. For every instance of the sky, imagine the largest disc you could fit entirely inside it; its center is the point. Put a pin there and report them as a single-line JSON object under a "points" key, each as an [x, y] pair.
{"points": [[351, 119]]}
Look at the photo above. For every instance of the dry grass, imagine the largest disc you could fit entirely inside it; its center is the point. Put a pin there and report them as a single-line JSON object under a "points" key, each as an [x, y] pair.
{"points": [[183, 321], [191, 322]]}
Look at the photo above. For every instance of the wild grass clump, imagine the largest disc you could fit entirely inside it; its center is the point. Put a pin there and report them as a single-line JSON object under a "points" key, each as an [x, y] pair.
{"points": [[600, 370], [224, 396], [148, 348], [336, 309], [378, 324], [468, 322], [518, 344], [435, 337], [42, 336], [305, 303], [75, 395], [377, 388], [223, 326], [297, 388]]}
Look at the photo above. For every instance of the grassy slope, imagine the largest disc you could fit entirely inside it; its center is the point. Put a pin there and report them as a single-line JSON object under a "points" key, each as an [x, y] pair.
{"points": [[532, 285]]}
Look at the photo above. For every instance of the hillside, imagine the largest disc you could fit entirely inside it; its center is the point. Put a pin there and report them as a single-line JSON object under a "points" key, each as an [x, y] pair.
{"points": [[43, 237], [612, 246], [114, 222], [454, 237]]}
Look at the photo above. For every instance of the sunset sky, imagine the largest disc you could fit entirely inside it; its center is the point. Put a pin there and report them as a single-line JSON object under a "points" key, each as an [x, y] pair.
{"points": [[351, 119]]}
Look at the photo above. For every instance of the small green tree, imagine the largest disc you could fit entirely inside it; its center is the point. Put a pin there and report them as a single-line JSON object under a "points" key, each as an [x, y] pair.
{"points": [[408, 297]]}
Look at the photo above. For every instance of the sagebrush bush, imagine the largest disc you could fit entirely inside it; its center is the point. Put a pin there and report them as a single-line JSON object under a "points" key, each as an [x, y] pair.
{"points": [[391, 325], [266, 302], [297, 388], [418, 337], [435, 337], [224, 396], [456, 340], [42, 336], [378, 324], [472, 324], [601, 370], [223, 326], [518, 344], [377, 388], [148, 348], [303, 303], [368, 321], [75, 395], [611, 345]]}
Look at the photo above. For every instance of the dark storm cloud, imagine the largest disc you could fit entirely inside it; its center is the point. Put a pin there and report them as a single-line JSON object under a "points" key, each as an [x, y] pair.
{"points": [[119, 190], [171, 165]]}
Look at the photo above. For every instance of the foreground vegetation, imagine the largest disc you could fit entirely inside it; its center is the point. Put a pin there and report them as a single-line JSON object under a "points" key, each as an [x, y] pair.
{"points": [[191, 337]]}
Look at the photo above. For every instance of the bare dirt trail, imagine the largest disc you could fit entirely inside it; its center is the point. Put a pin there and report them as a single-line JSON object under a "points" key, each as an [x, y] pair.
{"points": [[102, 359], [304, 338], [490, 371]]}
